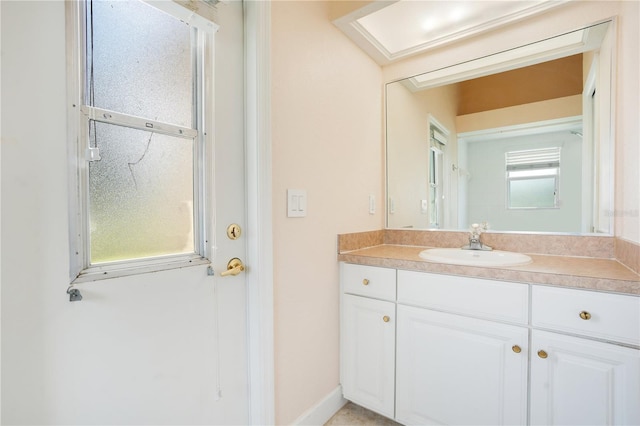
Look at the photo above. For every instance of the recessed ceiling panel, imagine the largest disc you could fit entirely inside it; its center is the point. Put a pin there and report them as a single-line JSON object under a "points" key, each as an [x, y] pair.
{"points": [[410, 26]]}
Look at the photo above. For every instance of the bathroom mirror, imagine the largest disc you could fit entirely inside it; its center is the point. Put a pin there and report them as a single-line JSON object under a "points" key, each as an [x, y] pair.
{"points": [[521, 139]]}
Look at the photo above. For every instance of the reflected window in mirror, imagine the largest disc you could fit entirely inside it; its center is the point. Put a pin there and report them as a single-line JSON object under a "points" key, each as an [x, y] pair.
{"points": [[438, 136], [532, 178]]}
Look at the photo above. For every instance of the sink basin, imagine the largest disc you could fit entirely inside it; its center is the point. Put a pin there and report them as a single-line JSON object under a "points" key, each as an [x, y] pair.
{"points": [[475, 257]]}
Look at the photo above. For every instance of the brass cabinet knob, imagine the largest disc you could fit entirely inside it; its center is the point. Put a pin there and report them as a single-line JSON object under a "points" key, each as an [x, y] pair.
{"points": [[542, 354], [365, 282], [517, 349], [585, 315], [386, 318]]}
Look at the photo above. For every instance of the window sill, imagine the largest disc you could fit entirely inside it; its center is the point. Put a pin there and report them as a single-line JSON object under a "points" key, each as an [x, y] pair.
{"points": [[124, 269]]}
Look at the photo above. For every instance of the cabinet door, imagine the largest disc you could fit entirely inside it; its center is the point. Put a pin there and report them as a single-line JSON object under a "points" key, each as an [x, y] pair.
{"points": [[577, 381], [458, 370], [368, 353]]}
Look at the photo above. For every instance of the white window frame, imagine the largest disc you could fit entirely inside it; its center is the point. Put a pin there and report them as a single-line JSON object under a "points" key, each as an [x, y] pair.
{"points": [[80, 153]]}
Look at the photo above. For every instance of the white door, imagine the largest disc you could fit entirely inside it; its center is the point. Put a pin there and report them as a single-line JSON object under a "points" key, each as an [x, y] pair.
{"points": [[578, 381], [455, 370], [368, 353], [168, 347]]}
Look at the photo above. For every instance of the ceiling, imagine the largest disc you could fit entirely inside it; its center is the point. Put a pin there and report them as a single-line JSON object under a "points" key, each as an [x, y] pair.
{"points": [[392, 30]]}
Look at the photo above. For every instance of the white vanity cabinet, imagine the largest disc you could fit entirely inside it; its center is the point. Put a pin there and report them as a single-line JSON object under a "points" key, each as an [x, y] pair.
{"points": [[368, 337], [576, 380], [458, 369], [425, 348]]}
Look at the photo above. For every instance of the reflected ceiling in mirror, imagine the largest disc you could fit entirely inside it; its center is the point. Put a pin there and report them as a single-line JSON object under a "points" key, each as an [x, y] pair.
{"points": [[450, 133]]}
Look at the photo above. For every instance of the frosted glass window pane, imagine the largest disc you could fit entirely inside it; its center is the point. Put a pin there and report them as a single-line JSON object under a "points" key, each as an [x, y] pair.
{"points": [[141, 195], [533, 173], [532, 193], [142, 62]]}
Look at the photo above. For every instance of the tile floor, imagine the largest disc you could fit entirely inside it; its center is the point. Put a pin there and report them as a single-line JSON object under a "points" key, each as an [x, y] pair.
{"points": [[354, 415]]}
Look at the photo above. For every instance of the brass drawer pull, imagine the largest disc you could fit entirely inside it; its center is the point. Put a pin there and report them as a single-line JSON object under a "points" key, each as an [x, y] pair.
{"points": [[585, 315], [386, 318], [365, 282], [517, 349], [542, 354]]}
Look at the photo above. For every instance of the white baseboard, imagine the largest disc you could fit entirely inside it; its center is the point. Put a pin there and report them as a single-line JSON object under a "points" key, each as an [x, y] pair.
{"points": [[320, 413]]}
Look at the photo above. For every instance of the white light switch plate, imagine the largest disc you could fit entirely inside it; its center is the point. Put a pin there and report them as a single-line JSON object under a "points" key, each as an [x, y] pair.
{"points": [[296, 203]]}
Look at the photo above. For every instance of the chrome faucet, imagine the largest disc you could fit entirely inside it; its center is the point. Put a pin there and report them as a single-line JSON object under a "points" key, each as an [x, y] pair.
{"points": [[475, 239]]}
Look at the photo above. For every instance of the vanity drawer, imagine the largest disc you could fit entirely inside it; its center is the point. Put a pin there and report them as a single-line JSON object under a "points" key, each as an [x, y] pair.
{"points": [[614, 317], [503, 301], [369, 281]]}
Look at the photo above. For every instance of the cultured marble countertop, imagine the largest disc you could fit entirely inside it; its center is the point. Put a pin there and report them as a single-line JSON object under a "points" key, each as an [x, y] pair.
{"points": [[567, 271]]}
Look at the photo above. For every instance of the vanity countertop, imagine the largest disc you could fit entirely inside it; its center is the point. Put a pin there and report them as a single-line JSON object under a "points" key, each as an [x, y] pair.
{"points": [[568, 271]]}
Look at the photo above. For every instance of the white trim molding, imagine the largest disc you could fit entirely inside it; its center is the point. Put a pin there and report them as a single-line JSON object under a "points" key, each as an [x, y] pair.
{"points": [[320, 413], [563, 45], [257, 15]]}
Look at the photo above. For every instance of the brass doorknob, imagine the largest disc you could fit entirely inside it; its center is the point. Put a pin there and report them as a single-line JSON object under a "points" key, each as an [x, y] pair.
{"points": [[386, 318], [365, 282], [542, 354], [585, 315], [517, 349], [234, 267]]}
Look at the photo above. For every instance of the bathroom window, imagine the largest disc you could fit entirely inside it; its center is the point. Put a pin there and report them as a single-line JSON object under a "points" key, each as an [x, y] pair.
{"points": [[533, 178], [140, 73]]}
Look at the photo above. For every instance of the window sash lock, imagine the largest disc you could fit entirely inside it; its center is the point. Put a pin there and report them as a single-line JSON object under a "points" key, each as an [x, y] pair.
{"points": [[93, 154]]}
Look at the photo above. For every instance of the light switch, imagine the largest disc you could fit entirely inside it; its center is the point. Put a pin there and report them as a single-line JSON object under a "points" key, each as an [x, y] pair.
{"points": [[296, 203], [372, 204], [424, 206]]}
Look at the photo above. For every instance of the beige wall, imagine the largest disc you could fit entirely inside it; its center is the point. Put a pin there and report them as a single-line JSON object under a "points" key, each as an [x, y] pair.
{"points": [[570, 106], [569, 17], [627, 194], [408, 152], [326, 118]]}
